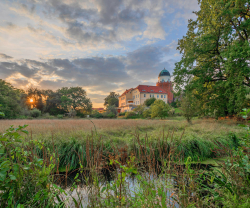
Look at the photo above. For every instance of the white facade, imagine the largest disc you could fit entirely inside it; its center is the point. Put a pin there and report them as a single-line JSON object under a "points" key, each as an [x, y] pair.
{"points": [[164, 78]]}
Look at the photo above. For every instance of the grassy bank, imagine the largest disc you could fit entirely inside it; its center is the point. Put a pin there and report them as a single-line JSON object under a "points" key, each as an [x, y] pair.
{"points": [[100, 140], [150, 163]]}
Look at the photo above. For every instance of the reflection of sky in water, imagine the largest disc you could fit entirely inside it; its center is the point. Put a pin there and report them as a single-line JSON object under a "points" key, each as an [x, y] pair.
{"points": [[133, 187]]}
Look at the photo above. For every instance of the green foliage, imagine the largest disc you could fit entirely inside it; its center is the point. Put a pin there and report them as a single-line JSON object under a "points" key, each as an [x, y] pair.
{"points": [[24, 178], [139, 109], [10, 99], [147, 113], [75, 98], [122, 114], [149, 101], [174, 104], [112, 100], [96, 114], [215, 56], [110, 110], [1, 113], [35, 113], [159, 109], [130, 114], [60, 116], [189, 107]]}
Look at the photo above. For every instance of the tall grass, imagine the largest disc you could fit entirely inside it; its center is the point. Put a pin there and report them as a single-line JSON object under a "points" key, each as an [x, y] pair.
{"points": [[158, 158]]}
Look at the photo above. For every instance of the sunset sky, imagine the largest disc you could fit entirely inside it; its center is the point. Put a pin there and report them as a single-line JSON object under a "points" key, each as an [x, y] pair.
{"points": [[100, 45]]}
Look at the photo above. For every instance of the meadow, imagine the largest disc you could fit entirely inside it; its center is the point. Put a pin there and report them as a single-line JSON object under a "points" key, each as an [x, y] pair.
{"points": [[97, 160]]}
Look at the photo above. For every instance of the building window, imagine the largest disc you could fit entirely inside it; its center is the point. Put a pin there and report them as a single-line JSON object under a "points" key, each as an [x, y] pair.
{"points": [[149, 95], [160, 91], [153, 95], [144, 95], [164, 96], [157, 96], [161, 96]]}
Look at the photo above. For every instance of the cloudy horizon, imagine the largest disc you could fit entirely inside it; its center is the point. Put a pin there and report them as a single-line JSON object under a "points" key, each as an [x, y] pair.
{"points": [[100, 45]]}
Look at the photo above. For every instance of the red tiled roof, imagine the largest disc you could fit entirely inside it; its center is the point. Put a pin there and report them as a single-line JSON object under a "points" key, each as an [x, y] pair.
{"points": [[127, 91], [150, 89]]}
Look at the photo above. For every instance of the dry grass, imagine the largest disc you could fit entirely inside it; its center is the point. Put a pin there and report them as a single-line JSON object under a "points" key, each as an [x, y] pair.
{"points": [[68, 125], [200, 127]]}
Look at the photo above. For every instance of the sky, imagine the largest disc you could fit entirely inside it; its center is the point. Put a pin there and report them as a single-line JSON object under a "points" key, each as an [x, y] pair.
{"points": [[101, 45]]}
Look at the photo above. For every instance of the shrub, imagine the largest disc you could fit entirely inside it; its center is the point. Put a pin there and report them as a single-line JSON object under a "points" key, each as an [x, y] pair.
{"points": [[139, 109], [25, 112], [46, 115], [147, 113], [109, 115], [130, 114], [60, 116], [159, 109], [24, 178], [35, 113], [122, 114], [97, 115]]}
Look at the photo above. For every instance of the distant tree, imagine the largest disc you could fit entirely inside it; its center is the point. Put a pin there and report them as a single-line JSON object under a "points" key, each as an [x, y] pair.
{"points": [[159, 109], [53, 102], [149, 101], [139, 109], [112, 99], [10, 99], [38, 98], [75, 98], [111, 109], [189, 106]]}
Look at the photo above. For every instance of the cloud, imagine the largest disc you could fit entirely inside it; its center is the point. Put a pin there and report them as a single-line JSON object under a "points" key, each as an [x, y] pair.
{"points": [[96, 74], [4, 56]]}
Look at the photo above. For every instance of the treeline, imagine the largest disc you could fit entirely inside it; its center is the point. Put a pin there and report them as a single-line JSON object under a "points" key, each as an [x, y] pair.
{"points": [[17, 103]]}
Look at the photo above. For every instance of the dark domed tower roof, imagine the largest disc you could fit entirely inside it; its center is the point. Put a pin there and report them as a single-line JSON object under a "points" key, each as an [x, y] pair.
{"points": [[164, 72]]}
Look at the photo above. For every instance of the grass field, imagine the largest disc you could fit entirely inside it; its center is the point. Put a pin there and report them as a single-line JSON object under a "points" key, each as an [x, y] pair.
{"points": [[72, 138], [127, 149]]}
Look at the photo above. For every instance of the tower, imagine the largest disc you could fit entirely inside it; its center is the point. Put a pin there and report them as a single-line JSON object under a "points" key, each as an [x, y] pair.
{"points": [[164, 81]]}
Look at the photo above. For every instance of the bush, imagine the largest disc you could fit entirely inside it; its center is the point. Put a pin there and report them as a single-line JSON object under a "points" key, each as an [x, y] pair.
{"points": [[159, 109], [46, 115], [122, 114], [109, 115], [97, 115], [22, 117], [60, 116], [25, 112], [24, 178], [147, 113], [35, 113], [130, 114]]}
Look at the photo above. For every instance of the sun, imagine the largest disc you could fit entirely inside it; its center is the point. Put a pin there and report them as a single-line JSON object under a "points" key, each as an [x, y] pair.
{"points": [[31, 100]]}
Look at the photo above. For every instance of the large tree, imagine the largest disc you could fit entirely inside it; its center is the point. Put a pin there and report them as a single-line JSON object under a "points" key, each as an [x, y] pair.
{"points": [[10, 99], [112, 99], [75, 98], [215, 56]]}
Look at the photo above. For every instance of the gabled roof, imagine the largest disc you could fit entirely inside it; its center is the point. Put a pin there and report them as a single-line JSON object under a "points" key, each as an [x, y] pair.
{"points": [[150, 89], [127, 91]]}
